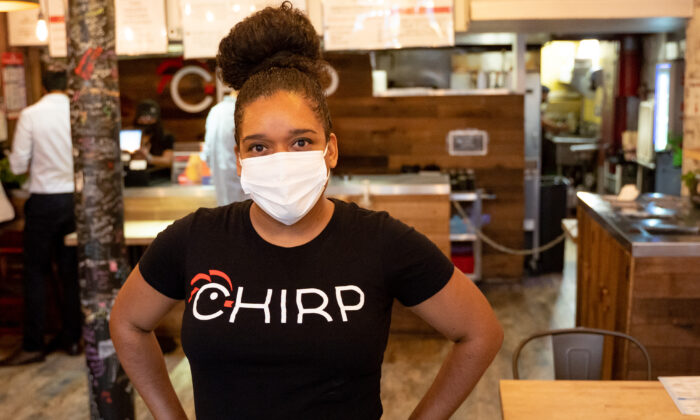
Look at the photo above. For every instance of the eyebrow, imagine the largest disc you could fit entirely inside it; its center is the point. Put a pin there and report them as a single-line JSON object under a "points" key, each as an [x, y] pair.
{"points": [[292, 133]]}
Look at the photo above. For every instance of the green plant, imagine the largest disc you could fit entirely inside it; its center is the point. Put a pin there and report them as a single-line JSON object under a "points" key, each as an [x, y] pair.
{"points": [[6, 175], [675, 143], [690, 179]]}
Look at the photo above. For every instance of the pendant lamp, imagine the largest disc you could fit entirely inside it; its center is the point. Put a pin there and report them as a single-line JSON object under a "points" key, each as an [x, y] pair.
{"points": [[12, 5]]}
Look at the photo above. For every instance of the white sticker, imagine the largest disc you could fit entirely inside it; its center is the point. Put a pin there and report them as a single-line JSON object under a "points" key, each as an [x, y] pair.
{"points": [[105, 348]]}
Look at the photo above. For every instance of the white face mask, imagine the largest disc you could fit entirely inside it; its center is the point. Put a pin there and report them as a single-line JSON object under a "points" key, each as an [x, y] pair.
{"points": [[286, 185]]}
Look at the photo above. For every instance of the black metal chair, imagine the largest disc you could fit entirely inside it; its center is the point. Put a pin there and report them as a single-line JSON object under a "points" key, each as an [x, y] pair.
{"points": [[578, 352]]}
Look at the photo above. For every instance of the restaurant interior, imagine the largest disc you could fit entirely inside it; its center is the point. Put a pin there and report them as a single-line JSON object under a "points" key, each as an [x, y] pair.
{"points": [[550, 149]]}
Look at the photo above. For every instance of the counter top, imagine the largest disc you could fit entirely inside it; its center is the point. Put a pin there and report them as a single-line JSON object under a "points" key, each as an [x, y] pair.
{"points": [[170, 190], [136, 232], [578, 400], [646, 226], [400, 184]]}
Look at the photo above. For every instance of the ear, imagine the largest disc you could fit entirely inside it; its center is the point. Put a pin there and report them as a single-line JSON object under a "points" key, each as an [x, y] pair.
{"points": [[332, 155], [237, 150]]}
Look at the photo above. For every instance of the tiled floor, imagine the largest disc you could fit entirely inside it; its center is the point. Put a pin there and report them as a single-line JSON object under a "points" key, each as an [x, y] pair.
{"points": [[57, 388]]}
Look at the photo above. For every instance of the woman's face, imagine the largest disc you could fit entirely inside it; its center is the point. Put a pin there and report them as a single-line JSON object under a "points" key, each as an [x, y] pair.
{"points": [[283, 122], [146, 120]]}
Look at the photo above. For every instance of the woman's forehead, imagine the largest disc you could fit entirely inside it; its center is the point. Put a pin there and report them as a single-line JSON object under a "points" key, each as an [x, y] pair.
{"points": [[283, 108]]}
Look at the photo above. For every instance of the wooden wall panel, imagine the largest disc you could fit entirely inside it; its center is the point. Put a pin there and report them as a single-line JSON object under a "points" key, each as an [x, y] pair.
{"points": [[691, 118], [667, 278], [602, 288], [412, 131], [666, 313]]}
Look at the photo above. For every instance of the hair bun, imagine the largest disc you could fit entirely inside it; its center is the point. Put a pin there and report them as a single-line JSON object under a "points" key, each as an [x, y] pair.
{"points": [[272, 37]]}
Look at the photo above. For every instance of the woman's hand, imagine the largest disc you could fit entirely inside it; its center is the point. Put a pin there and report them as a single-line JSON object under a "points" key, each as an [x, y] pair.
{"points": [[142, 154], [461, 313]]}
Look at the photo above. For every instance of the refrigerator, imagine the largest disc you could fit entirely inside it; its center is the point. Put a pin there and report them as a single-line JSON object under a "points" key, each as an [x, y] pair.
{"points": [[668, 124]]}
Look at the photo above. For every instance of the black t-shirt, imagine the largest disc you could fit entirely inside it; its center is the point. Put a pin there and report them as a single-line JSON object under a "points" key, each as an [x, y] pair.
{"points": [[290, 333], [160, 144]]}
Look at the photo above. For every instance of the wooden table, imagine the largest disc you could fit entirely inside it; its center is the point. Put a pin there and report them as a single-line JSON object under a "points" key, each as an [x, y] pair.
{"points": [[136, 232], [579, 400]]}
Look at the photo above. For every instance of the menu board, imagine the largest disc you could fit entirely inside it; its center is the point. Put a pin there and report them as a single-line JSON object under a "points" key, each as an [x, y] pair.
{"points": [[206, 22], [58, 42], [22, 28], [140, 27], [685, 392], [370, 25], [13, 85]]}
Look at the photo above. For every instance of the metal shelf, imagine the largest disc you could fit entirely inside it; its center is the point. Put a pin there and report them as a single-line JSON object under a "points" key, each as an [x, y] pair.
{"points": [[463, 237], [471, 196], [474, 199], [464, 196]]}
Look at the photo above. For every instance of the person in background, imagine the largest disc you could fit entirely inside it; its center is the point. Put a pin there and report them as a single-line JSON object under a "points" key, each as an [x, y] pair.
{"points": [[156, 144], [549, 125], [219, 154], [550, 128], [43, 147]]}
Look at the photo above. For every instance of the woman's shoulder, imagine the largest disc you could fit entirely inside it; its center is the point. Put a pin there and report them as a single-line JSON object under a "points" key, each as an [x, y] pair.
{"points": [[375, 221], [213, 218], [216, 214], [350, 209]]}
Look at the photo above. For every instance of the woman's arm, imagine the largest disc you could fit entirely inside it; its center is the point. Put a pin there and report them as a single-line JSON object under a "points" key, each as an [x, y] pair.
{"points": [[136, 312], [165, 160], [460, 312]]}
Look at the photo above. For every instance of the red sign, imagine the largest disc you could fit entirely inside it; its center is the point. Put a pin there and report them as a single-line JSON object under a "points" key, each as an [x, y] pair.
{"points": [[12, 59]]}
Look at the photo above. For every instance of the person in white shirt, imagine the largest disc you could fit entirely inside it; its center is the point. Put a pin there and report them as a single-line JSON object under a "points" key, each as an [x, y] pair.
{"points": [[42, 146], [218, 152]]}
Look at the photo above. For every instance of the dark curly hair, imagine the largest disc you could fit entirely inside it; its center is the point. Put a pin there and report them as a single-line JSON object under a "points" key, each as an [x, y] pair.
{"points": [[272, 50]]}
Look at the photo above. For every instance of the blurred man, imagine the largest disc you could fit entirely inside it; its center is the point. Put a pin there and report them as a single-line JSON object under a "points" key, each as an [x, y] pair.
{"points": [[218, 153], [156, 144], [42, 146]]}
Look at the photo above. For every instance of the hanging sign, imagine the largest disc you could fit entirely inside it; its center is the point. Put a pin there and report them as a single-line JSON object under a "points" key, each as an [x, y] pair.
{"points": [[21, 28], [13, 83], [140, 27], [206, 22], [375, 25], [58, 42]]}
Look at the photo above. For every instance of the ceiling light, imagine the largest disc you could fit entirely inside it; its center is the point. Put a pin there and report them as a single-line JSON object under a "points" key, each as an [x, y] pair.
{"points": [[12, 5]]}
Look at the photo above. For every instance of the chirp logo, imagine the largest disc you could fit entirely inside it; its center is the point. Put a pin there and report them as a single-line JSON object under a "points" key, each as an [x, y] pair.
{"points": [[211, 290], [207, 286]]}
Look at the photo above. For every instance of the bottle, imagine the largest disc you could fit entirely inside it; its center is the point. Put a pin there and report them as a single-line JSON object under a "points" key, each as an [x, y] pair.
{"points": [[470, 180], [571, 122], [453, 179], [462, 180]]}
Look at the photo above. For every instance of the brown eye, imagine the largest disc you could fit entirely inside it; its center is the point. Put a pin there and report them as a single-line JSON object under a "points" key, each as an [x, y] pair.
{"points": [[257, 148], [303, 142]]}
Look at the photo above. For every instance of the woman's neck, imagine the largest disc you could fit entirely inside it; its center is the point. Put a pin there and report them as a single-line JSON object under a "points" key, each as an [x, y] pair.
{"points": [[305, 230]]}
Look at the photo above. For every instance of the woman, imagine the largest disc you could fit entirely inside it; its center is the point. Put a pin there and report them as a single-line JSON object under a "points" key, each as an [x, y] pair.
{"points": [[289, 295]]}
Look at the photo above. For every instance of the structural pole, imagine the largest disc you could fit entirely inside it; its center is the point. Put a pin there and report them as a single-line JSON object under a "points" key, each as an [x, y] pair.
{"points": [[99, 208]]}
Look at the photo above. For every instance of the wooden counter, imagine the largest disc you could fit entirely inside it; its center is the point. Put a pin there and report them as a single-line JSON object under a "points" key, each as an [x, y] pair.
{"points": [[656, 299], [584, 400]]}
